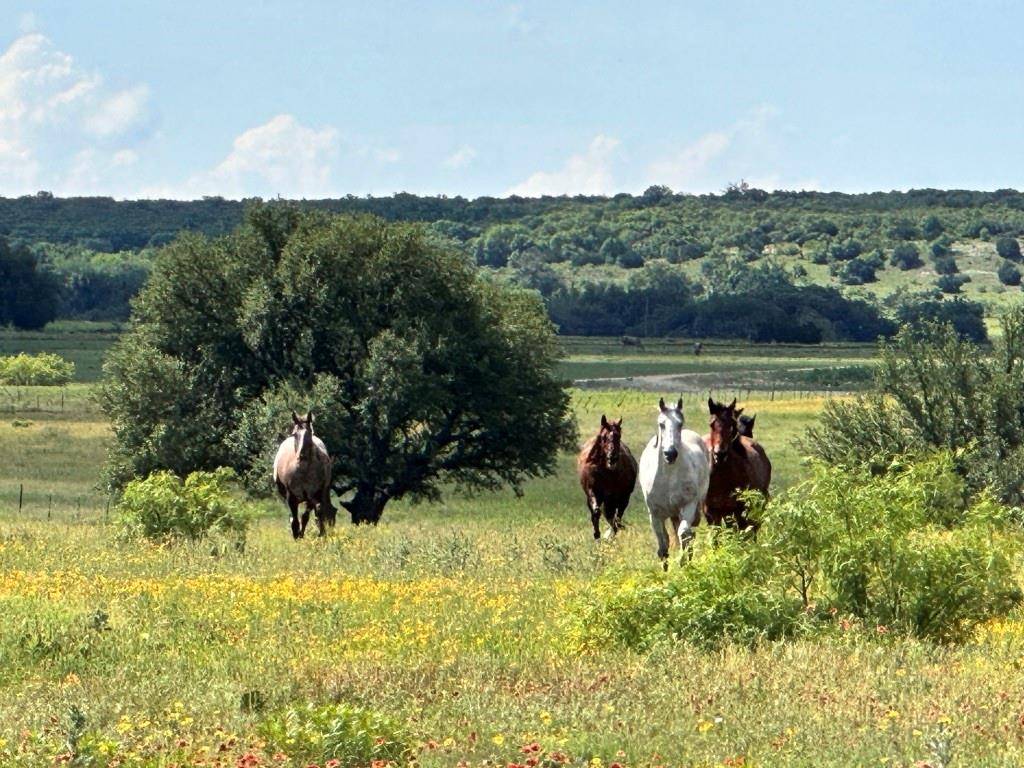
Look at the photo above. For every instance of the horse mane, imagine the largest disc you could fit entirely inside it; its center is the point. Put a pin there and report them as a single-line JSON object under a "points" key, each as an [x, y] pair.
{"points": [[594, 455]]}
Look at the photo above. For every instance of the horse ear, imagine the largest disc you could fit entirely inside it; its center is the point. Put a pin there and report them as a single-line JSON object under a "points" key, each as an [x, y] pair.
{"points": [[619, 422], [295, 417], [739, 411], [679, 404], [661, 404], [309, 418], [731, 405], [604, 422], [713, 407]]}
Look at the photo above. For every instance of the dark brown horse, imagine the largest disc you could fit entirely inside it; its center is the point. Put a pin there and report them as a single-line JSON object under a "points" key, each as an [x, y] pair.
{"points": [[607, 473], [746, 425], [738, 464]]}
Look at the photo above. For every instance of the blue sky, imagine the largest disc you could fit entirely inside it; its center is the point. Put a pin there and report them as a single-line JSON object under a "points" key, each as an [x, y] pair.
{"points": [[182, 99]]}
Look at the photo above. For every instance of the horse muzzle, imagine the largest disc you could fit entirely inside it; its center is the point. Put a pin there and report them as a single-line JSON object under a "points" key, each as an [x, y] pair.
{"points": [[671, 455]]}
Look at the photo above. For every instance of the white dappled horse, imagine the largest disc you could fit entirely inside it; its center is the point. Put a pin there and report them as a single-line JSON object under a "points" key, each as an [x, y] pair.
{"points": [[674, 471]]}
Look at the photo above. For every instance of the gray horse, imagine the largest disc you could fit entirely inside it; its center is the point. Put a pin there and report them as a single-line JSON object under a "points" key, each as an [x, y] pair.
{"points": [[302, 473]]}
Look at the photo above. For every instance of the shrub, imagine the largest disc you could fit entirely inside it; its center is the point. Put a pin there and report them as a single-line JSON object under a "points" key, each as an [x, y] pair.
{"points": [[951, 283], [162, 507], [945, 265], [942, 247], [858, 271], [904, 549], [905, 256], [33, 370], [907, 549], [1008, 273], [1008, 248], [352, 735], [724, 593], [933, 389]]}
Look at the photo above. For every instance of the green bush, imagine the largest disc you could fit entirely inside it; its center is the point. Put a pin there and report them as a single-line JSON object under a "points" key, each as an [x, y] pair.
{"points": [[906, 256], [936, 390], [1008, 248], [906, 549], [352, 735], [163, 507], [726, 592], [1008, 273], [35, 370]]}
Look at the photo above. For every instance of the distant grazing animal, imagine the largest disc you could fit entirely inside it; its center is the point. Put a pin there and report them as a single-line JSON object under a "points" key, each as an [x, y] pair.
{"points": [[746, 425], [738, 464], [302, 473], [674, 469], [631, 341], [607, 472]]}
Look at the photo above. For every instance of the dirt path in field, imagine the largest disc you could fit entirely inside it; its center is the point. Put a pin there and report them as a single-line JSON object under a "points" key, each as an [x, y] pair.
{"points": [[697, 382]]}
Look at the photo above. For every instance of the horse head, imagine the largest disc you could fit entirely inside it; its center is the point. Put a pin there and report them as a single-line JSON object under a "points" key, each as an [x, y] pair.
{"points": [[725, 428], [670, 429], [610, 441], [746, 426], [302, 432]]}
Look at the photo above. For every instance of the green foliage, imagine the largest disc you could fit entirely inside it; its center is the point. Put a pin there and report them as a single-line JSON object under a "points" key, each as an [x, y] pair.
{"points": [[28, 294], [352, 735], [724, 593], [1008, 248], [1008, 273], [966, 317], [945, 264], [858, 271], [163, 507], [906, 256], [440, 375], [905, 550], [35, 370], [934, 389], [951, 283]]}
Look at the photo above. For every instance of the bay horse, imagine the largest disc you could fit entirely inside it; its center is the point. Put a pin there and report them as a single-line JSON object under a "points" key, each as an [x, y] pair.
{"points": [[607, 472], [738, 463], [302, 474], [745, 424], [674, 476]]}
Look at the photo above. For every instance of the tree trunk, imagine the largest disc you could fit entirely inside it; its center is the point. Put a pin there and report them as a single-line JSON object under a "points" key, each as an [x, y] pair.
{"points": [[366, 506]]}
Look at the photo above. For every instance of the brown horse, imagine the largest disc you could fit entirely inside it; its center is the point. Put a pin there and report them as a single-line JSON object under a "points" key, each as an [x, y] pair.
{"points": [[607, 473], [738, 463], [302, 473], [746, 425]]}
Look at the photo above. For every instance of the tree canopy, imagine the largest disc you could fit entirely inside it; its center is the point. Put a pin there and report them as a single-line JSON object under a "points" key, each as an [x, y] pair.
{"points": [[419, 369]]}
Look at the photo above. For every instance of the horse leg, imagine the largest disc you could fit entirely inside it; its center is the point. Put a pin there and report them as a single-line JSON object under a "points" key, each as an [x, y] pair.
{"points": [[293, 505], [595, 514], [685, 532], [658, 526], [675, 520], [318, 511], [609, 515], [305, 520]]}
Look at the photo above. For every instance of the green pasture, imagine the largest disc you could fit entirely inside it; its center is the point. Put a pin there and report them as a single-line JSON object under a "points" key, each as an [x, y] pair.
{"points": [[455, 620]]}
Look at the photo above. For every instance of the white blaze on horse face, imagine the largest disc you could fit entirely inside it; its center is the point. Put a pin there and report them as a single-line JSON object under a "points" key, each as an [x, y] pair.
{"points": [[670, 428]]}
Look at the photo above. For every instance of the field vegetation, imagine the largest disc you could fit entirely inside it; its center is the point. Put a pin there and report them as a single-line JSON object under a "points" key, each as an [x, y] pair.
{"points": [[458, 631]]}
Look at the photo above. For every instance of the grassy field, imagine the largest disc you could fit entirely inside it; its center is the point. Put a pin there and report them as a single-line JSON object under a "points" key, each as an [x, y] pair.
{"points": [[457, 621]]}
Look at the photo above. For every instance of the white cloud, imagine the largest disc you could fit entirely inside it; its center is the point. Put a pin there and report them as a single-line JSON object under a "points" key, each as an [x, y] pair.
{"points": [[119, 112], [460, 158], [743, 150], [584, 174], [57, 118], [280, 157], [685, 167]]}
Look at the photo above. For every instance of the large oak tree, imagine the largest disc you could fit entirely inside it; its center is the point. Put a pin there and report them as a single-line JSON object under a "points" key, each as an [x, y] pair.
{"points": [[420, 371]]}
